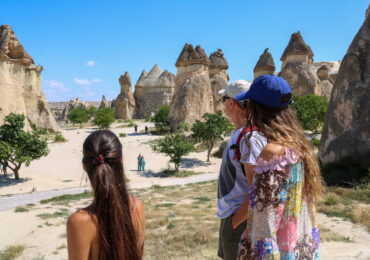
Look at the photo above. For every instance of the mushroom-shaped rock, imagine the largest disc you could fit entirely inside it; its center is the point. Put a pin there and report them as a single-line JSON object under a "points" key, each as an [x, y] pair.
{"points": [[265, 64]]}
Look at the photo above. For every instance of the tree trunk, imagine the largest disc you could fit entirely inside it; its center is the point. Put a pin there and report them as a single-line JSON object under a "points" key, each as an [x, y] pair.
{"points": [[177, 167], [209, 151], [16, 171]]}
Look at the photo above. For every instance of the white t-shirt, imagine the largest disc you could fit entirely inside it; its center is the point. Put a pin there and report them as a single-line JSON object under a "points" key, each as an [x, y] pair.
{"points": [[232, 183]]}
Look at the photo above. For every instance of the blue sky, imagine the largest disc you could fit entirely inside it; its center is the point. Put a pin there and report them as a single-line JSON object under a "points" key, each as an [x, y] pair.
{"points": [[84, 46]]}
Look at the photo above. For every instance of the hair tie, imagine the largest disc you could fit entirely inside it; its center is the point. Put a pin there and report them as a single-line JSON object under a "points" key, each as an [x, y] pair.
{"points": [[100, 159]]}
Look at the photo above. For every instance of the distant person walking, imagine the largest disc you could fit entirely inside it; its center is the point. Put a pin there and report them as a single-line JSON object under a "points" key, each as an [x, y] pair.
{"points": [[139, 158], [146, 129], [232, 197], [135, 128]]}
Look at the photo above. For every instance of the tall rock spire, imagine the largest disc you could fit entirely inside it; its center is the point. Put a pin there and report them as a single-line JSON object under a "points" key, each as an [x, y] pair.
{"points": [[297, 47], [346, 131], [265, 64], [218, 77]]}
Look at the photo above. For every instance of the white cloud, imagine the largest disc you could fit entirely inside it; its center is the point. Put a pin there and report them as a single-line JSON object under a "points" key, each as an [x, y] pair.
{"points": [[86, 81], [56, 85], [90, 63]]}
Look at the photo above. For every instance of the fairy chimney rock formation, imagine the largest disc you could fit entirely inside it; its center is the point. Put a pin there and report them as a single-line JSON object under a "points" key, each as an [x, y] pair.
{"points": [[72, 104], [153, 90], [104, 103], [347, 125], [297, 50], [124, 104], [193, 92], [265, 64], [218, 77], [20, 84], [298, 69]]}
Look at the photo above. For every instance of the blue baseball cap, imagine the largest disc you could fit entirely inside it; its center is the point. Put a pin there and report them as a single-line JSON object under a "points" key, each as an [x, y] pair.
{"points": [[268, 90]]}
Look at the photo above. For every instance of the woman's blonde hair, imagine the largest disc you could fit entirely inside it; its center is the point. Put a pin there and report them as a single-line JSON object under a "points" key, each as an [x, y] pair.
{"points": [[281, 126]]}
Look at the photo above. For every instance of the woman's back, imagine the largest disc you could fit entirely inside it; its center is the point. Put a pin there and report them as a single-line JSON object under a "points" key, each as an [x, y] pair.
{"points": [[83, 231], [281, 224]]}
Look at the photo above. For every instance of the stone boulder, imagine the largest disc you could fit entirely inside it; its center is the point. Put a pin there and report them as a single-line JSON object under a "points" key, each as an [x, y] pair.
{"points": [[153, 90], [72, 104], [104, 103], [20, 84], [265, 64], [124, 104], [218, 77], [347, 125], [193, 92]]}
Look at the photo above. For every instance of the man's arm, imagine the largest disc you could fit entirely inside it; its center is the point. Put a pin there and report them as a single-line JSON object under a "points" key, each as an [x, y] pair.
{"points": [[241, 214]]}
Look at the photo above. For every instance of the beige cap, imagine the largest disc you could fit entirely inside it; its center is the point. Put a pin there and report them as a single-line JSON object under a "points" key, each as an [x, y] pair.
{"points": [[235, 88]]}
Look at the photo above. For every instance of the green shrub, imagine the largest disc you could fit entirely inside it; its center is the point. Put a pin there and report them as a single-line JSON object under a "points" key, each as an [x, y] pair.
{"points": [[311, 111], [161, 120], [315, 142], [78, 116], [122, 135], [351, 171], [175, 146], [59, 138], [104, 117], [212, 129], [220, 151]]}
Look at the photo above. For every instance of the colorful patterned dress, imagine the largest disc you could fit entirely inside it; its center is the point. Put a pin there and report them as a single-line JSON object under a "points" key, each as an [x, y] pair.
{"points": [[280, 223]]}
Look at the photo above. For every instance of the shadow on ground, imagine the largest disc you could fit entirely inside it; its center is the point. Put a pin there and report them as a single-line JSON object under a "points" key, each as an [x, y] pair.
{"points": [[8, 180], [192, 162]]}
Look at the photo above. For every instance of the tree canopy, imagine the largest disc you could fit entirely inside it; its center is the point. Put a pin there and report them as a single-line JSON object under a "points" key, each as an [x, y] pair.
{"points": [[17, 146]]}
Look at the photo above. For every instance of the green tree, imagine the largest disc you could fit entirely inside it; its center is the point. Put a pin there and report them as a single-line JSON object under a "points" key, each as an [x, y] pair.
{"points": [[18, 147], [175, 146], [311, 111], [104, 117], [160, 119], [212, 129], [91, 110], [78, 116]]}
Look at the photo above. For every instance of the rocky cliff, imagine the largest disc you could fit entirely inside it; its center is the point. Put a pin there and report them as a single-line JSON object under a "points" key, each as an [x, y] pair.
{"points": [[20, 84], [153, 90], [347, 126]]}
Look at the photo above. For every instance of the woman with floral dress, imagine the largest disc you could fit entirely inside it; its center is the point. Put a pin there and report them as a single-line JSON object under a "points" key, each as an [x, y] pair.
{"points": [[285, 179]]}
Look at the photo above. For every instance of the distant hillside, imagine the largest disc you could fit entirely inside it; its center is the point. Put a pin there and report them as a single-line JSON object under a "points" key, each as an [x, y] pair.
{"points": [[61, 105]]}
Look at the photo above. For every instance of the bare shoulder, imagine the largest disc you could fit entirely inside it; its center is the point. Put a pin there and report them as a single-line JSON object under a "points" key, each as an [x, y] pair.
{"points": [[81, 220], [270, 150], [136, 204]]}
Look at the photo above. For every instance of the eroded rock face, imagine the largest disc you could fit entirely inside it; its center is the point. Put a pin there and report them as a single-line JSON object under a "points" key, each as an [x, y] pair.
{"points": [[347, 125], [265, 65], [104, 103], [153, 90], [297, 68], [193, 92], [20, 84], [124, 104], [72, 104], [218, 77]]}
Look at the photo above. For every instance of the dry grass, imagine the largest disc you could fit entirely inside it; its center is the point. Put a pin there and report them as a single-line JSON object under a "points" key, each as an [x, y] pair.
{"points": [[12, 252], [350, 204], [362, 216]]}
